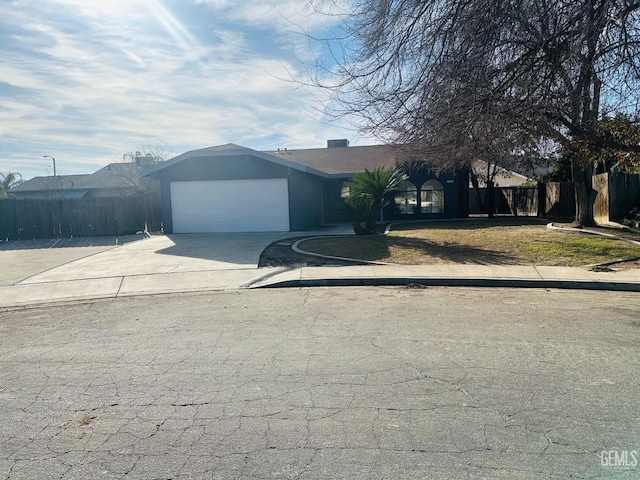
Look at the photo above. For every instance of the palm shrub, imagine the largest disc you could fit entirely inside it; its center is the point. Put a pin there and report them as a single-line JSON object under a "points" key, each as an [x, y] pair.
{"points": [[373, 185], [8, 180], [359, 207]]}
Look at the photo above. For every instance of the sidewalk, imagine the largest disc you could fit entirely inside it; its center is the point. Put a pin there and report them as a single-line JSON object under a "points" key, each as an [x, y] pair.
{"points": [[25, 294], [360, 275]]}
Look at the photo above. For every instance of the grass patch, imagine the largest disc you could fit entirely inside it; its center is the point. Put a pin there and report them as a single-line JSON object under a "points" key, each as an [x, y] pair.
{"points": [[500, 242]]}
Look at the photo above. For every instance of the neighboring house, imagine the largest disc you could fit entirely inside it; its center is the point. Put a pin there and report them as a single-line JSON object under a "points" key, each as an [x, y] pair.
{"points": [[504, 177], [230, 188], [114, 180]]}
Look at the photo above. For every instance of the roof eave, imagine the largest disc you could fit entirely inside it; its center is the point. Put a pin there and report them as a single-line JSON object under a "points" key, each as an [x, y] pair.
{"points": [[341, 175]]}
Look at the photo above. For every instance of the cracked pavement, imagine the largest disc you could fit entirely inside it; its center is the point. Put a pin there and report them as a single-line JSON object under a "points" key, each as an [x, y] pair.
{"points": [[323, 383]]}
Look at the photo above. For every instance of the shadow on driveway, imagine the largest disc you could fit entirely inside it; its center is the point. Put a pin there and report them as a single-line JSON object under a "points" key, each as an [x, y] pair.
{"points": [[230, 248]]}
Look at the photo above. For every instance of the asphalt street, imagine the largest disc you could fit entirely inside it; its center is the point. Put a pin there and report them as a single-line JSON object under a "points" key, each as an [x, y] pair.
{"points": [[324, 383]]}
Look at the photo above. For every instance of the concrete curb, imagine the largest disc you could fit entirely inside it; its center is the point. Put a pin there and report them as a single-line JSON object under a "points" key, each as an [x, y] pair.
{"points": [[456, 282]]}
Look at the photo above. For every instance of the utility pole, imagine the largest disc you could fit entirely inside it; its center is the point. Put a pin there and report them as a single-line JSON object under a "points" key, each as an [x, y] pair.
{"points": [[54, 163]]}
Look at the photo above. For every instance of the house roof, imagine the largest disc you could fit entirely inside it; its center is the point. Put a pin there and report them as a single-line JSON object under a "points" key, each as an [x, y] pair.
{"points": [[342, 161], [338, 162], [59, 182], [114, 175]]}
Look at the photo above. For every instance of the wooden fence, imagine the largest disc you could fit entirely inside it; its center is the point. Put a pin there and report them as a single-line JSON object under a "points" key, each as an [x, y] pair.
{"points": [[554, 199], [86, 217], [557, 200], [617, 194]]}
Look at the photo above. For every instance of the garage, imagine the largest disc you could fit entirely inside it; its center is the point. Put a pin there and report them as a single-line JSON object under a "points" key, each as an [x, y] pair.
{"points": [[248, 205], [230, 188]]}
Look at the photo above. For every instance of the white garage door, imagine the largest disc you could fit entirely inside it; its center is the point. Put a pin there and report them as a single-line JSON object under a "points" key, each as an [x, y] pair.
{"points": [[230, 206]]}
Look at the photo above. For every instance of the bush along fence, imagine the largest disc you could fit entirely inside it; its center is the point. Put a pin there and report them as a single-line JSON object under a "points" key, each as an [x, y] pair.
{"points": [[86, 217]]}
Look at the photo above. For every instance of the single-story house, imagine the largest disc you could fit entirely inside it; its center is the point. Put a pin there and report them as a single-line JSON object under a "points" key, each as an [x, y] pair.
{"points": [[504, 177], [113, 180], [230, 188]]}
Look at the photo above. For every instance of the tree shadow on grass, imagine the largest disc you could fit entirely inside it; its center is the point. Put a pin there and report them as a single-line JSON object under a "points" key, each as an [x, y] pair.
{"points": [[406, 250], [448, 252]]}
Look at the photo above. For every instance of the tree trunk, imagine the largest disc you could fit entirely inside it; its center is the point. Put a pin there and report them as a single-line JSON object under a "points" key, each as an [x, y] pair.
{"points": [[476, 189], [585, 194], [357, 226], [370, 222], [491, 199]]}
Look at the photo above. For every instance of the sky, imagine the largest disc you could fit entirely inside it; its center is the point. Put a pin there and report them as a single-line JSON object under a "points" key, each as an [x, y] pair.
{"points": [[85, 81]]}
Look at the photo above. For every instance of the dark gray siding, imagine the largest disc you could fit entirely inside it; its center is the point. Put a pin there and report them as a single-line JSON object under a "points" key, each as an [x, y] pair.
{"points": [[165, 196], [222, 168], [335, 211], [305, 200]]}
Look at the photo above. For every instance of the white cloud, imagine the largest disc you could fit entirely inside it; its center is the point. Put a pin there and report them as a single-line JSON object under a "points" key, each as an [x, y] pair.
{"points": [[274, 13], [99, 8], [86, 81]]}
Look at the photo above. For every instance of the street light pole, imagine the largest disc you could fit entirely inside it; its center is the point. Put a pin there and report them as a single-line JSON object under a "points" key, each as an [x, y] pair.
{"points": [[54, 163]]}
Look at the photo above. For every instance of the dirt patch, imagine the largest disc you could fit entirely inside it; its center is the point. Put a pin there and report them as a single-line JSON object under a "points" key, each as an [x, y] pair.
{"points": [[280, 254]]}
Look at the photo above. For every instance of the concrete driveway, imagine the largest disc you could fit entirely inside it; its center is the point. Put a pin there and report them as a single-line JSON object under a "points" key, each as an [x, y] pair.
{"points": [[163, 254], [71, 269], [22, 259]]}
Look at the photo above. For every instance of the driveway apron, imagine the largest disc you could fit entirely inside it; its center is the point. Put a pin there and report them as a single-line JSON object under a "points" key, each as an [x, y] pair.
{"points": [[165, 254]]}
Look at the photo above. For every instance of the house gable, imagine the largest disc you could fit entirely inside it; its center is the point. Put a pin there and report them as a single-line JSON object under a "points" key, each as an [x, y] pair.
{"points": [[230, 157]]}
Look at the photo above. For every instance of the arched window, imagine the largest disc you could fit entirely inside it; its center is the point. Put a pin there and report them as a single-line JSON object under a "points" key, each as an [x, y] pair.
{"points": [[432, 197], [406, 198]]}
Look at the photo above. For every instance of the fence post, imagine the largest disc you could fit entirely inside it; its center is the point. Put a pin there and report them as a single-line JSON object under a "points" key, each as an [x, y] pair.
{"points": [[542, 198]]}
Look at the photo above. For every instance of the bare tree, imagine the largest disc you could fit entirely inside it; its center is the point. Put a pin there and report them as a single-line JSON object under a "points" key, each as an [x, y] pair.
{"points": [[439, 73], [156, 153], [130, 175], [54, 187]]}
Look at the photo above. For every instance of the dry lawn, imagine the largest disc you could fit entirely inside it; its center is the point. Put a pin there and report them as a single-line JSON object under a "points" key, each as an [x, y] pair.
{"points": [[484, 242]]}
